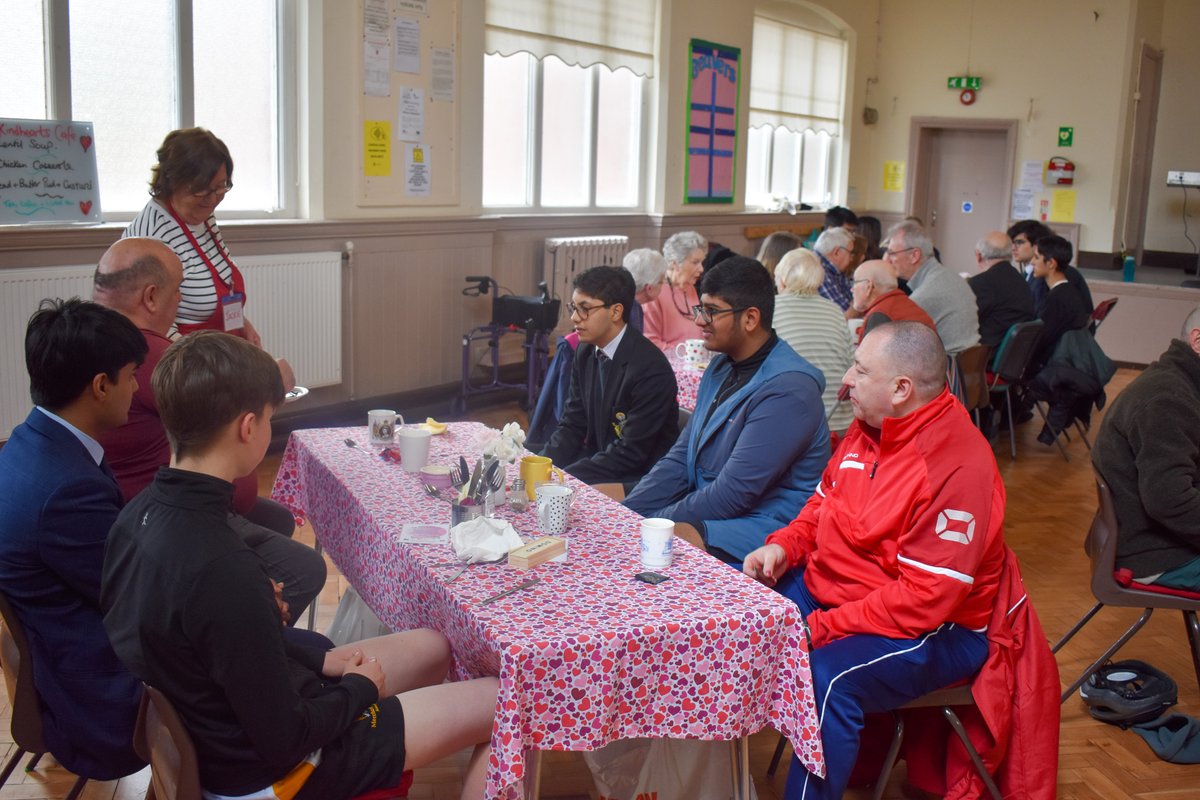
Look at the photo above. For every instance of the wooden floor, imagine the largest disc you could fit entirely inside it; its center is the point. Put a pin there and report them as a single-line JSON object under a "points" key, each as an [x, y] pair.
{"points": [[1050, 505]]}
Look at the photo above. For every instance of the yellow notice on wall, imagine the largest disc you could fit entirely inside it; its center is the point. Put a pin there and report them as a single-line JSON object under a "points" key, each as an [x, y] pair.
{"points": [[893, 176], [1062, 205], [377, 148]]}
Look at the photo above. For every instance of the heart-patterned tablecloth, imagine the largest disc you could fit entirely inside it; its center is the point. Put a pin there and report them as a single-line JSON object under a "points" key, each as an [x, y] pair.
{"points": [[687, 378], [587, 655]]}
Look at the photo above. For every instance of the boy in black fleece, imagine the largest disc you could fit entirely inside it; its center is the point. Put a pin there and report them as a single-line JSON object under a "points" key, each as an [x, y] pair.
{"points": [[190, 611]]}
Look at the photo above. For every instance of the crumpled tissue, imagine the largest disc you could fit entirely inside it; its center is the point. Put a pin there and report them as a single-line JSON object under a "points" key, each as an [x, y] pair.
{"points": [[483, 539]]}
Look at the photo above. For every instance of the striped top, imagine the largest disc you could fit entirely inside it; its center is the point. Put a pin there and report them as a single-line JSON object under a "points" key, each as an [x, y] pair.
{"points": [[818, 331], [199, 299]]}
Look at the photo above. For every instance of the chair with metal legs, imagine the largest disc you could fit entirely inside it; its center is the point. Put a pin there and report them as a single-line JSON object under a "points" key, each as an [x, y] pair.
{"points": [[1101, 547]]}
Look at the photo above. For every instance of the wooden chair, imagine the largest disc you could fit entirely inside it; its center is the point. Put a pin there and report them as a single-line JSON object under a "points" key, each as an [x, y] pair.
{"points": [[969, 380], [162, 739], [1009, 365], [23, 697], [1101, 547]]}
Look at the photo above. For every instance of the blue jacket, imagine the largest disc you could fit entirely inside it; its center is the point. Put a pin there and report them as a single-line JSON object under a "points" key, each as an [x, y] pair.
{"points": [[56, 507], [750, 469]]}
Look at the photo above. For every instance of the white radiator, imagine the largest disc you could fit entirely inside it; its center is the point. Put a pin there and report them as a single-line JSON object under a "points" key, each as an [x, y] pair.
{"points": [[566, 256], [295, 302]]}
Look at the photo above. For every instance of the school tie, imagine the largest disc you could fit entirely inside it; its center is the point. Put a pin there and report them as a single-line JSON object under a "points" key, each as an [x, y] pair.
{"points": [[602, 365]]}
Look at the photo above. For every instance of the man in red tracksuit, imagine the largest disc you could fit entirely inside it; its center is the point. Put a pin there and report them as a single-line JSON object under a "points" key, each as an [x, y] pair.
{"points": [[896, 557]]}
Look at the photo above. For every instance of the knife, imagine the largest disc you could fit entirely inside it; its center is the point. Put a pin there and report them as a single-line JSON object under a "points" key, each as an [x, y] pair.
{"points": [[475, 480], [520, 586]]}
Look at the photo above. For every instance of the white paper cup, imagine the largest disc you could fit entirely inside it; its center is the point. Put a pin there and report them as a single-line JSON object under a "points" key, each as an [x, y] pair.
{"points": [[658, 538], [414, 448], [381, 426]]}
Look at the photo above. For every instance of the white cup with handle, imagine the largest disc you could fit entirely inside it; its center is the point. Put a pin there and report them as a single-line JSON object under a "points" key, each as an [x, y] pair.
{"points": [[381, 426], [554, 507], [414, 447], [692, 351]]}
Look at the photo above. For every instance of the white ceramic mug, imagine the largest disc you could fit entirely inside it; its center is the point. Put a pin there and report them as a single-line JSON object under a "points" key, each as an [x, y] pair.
{"points": [[381, 426], [553, 507], [692, 350], [658, 538], [414, 447]]}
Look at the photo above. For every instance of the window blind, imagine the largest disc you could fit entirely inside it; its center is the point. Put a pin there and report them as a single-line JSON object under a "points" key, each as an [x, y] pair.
{"points": [[796, 78], [617, 33]]}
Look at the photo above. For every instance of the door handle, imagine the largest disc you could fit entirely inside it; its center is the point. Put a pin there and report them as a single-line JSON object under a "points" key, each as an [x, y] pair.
{"points": [[933, 219]]}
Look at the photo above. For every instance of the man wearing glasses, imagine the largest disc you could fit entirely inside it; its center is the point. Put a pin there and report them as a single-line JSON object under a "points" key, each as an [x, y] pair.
{"points": [[1025, 234], [943, 294], [835, 248], [621, 413], [753, 451]]}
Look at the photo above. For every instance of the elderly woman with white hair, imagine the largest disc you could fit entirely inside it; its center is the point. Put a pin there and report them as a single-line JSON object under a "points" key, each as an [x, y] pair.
{"points": [[669, 319], [648, 268], [815, 328]]}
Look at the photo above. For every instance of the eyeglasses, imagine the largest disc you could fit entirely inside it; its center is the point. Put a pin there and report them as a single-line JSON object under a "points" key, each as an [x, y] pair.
{"points": [[857, 281], [706, 313], [894, 253], [583, 311], [209, 193], [1019, 242]]}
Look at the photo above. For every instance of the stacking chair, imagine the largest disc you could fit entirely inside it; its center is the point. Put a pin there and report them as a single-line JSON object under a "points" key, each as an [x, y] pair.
{"points": [[161, 739], [1009, 365], [1101, 547], [969, 380], [1100, 312], [946, 699], [23, 697]]}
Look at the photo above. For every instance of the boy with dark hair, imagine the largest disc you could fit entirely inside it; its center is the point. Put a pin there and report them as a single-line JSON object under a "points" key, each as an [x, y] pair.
{"points": [[57, 502], [753, 451], [841, 217], [1025, 234], [621, 414], [190, 611]]}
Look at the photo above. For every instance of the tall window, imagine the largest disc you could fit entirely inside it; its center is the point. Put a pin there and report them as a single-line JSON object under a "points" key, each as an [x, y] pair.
{"points": [[564, 82], [138, 69], [797, 84]]}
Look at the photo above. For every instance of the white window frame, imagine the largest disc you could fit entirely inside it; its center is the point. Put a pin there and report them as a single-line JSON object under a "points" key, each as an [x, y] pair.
{"points": [[534, 123], [58, 93], [834, 168]]}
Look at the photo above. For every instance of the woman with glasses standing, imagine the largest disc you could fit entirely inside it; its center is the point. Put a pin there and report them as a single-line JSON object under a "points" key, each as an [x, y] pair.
{"points": [[193, 173], [668, 319]]}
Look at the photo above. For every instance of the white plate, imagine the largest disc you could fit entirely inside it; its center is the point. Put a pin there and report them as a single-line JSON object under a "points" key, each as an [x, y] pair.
{"points": [[295, 394]]}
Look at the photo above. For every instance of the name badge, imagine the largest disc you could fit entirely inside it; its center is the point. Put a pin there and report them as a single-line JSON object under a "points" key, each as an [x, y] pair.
{"points": [[231, 309]]}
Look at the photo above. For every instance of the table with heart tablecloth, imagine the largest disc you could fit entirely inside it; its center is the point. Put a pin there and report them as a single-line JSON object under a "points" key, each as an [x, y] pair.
{"points": [[585, 656]]}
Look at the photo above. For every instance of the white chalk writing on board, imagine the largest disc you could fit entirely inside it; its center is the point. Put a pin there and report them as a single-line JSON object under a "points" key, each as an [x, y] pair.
{"points": [[48, 172]]}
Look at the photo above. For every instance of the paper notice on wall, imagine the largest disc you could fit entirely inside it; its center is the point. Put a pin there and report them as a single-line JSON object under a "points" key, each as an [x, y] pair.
{"points": [[417, 175], [377, 148], [412, 114], [414, 6], [442, 79], [377, 80], [408, 45], [1031, 178], [1022, 204], [893, 176], [1062, 205], [376, 18]]}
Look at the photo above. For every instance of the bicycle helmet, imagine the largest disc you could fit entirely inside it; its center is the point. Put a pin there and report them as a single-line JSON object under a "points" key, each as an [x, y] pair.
{"points": [[1128, 692]]}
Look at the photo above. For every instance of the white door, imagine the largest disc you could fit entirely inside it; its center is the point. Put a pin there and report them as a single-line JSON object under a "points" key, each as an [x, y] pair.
{"points": [[967, 191]]}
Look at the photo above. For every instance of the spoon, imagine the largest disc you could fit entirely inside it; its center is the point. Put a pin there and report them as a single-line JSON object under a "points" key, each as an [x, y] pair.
{"points": [[353, 445], [433, 491]]}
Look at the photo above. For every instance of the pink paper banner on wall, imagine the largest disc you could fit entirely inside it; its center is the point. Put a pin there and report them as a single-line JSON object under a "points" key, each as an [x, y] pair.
{"points": [[712, 122]]}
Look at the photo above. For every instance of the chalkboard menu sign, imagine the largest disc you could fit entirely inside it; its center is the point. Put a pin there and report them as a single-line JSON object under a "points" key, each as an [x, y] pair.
{"points": [[48, 172]]}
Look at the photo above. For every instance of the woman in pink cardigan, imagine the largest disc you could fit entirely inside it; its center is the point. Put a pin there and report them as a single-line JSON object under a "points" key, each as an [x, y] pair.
{"points": [[668, 318]]}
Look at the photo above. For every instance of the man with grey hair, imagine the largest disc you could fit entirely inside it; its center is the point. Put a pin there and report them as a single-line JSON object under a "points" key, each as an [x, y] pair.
{"points": [[944, 294], [648, 268], [895, 560], [835, 248], [1148, 452], [878, 298], [1002, 298]]}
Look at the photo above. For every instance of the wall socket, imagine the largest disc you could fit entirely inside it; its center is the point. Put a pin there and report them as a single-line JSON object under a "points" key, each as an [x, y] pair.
{"points": [[1179, 177]]}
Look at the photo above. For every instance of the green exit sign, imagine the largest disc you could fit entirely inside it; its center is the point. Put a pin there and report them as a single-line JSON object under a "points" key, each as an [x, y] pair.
{"points": [[963, 82]]}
